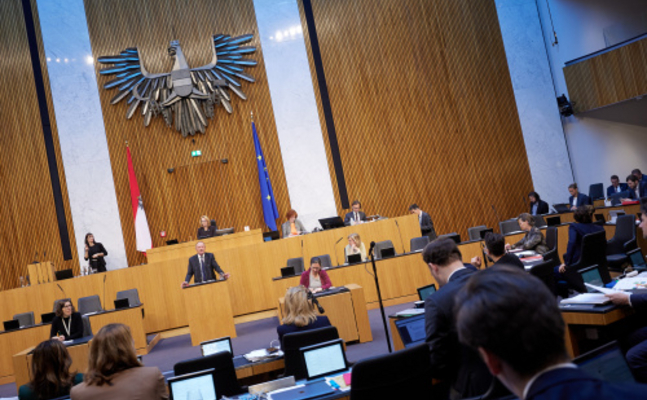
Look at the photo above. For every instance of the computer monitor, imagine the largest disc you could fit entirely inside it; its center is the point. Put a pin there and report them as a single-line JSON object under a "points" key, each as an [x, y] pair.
{"points": [[197, 385], [287, 271], [216, 346], [607, 363], [354, 258], [637, 259], [425, 291], [387, 252], [121, 303], [271, 235], [485, 232], [64, 274], [324, 359], [47, 318], [331, 223], [11, 325], [553, 221], [412, 330], [591, 275]]}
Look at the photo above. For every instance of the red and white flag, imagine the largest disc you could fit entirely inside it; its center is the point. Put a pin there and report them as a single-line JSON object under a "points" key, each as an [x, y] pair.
{"points": [[142, 233]]}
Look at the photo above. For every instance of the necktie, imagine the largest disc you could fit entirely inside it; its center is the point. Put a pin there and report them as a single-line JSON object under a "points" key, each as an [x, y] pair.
{"points": [[202, 271], [356, 219]]}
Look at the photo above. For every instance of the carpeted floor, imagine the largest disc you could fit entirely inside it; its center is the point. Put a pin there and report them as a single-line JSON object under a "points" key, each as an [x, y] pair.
{"points": [[251, 335]]}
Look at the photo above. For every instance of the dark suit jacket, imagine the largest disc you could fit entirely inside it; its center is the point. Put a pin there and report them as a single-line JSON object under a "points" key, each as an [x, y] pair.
{"points": [[631, 193], [321, 322], [610, 190], [427, 226], [210, 265], [576, 232], [639, 302], [575, 384], [76, 327], [210, 232], [349, 216], [451, 360], [510, 259], [542, 208], [582, 200]]}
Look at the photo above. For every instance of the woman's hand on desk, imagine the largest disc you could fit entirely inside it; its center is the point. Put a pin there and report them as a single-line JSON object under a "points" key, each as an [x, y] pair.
{"points": [[620, 298], [59, 338]]}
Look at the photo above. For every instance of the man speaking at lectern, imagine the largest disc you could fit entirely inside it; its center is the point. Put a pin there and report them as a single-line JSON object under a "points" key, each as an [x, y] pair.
{"points": [[203, 265]]}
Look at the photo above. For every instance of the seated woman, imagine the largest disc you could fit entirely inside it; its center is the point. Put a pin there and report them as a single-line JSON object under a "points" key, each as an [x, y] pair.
{"points": [[534, 239], [67, 324], [300, 314], [315, 279], [50, 371], [292, 227], [206, 230], [114, 371], [355, 246]]}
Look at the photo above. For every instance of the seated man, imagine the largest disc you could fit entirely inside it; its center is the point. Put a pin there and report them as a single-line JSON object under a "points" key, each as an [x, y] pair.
{"points": [[641, 177], [616, 186], [577, 199], [356, 216], [512, 320], [495, 250], [635, 191], [451, 362]]}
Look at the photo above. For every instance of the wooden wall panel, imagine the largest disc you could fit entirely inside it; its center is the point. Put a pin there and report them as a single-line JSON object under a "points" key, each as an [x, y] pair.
{"points": [[174, 202], [27, 211], [617, 75], [424, 108]]}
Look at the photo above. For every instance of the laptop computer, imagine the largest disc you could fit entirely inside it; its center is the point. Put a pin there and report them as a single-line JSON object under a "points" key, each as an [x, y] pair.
{"points": [[607, 363], [599, 217], [64, 274], [11, 325], [197, 385], [214, 346], [287, 271], [331, 223], [485, 232], [614, 214], [591, 275], [412, 330], [324, 359], [172, 242], [562, 207], [310, 390], [121, 303], [225, 231], [354, 258], [453, 236], [388, 252], [271, 235], [47, 318], [637, 259], [553, 221], [425, 291]]}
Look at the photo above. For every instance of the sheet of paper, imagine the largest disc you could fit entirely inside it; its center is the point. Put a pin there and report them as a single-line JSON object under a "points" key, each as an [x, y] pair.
{"points": [[602, 289], [636, 282], [587, 298]]}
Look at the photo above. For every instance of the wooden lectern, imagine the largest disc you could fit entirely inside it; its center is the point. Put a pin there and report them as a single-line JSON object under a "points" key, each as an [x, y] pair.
{"points": [[208, 307], [41, 272]]}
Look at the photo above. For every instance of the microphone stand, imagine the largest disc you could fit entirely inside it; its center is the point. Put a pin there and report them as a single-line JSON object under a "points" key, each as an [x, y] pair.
{"points": [[400, 232], [335, 248], [379, 297]]}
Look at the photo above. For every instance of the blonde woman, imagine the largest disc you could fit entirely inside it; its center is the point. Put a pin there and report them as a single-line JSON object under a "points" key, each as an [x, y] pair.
{"points": [[300, 313], [355, 246], [206, 230], [114, 371]]}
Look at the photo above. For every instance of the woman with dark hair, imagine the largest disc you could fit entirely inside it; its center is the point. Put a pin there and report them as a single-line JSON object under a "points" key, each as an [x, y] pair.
{"points": [[534, 239], [67, 324], [315, 279], [537, 205], [114, 371], [50, 371], [292, 227], [300, 314], [582, 226], [94, 251]]}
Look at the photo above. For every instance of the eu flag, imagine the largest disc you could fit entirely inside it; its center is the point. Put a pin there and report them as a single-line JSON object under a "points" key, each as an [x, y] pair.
{"points": [[270, 212]]}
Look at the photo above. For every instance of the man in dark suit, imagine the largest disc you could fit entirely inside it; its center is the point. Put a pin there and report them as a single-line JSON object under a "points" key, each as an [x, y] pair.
{"points": [[512, 320], [426, 225], [616, 186], [203, 266], [636, 189], [495, 250], [356, 216], [577, 199], [450, 361], [641, 178]]}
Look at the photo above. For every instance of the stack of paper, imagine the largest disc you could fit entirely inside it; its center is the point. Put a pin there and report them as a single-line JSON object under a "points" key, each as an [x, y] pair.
{"points": [[587, 298]]}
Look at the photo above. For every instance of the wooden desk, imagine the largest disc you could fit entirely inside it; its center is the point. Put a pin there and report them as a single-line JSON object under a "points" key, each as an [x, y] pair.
{"points": [[395, 334], [576, 322], [346, 311], [209, 311], [22, 362], [128, 316], [20, 339]]}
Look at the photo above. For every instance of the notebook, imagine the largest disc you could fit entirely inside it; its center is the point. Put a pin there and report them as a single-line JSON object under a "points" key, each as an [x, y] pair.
{"points": [[197, 385], [412, 330], [324, 359], [425, 291], [214, 346]]}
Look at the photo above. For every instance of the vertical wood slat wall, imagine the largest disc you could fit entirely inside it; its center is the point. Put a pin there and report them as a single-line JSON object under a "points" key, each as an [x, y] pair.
{"points": [[28, 221], [608, 78], [174, 202], [423, 107]]}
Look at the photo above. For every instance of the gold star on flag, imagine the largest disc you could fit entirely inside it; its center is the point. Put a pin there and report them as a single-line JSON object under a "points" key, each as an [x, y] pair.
{"points": [[268, 197], [260, 158]]}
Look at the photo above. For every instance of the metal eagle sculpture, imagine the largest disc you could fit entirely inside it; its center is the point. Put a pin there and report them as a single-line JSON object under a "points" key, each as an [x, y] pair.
{"points": [[188, 93]]}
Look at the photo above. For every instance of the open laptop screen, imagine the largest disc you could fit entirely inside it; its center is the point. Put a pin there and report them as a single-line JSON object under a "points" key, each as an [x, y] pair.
{"points": [[592, 276], [216, 346], [198, 385], [637, 260], [606, 363], [425, 291], [324, 358], [412, 330]]}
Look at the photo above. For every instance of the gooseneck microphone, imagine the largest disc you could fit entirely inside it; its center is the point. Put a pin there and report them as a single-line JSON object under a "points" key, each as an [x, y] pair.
{"points": [[64, 294], [314, 301], [104, 291], [496, 214], [336, 256], [525, 201], [400, 232]]}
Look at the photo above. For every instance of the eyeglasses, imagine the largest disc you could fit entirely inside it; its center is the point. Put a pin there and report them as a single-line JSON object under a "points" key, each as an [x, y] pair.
{"points": [[68, 306]]}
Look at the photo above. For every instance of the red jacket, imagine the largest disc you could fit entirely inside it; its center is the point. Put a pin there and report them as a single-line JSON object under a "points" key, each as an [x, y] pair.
{"points": [[323, 275]]}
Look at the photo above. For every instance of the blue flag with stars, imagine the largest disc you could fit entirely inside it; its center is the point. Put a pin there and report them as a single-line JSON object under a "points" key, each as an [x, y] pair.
{"points": [[270, 211]]}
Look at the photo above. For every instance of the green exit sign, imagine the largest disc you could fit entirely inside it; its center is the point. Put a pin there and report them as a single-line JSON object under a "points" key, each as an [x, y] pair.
{"points": [[196, 153]]}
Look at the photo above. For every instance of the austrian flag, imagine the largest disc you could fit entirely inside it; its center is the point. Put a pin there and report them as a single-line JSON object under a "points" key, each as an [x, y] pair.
{"points": [[142, 233]]}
